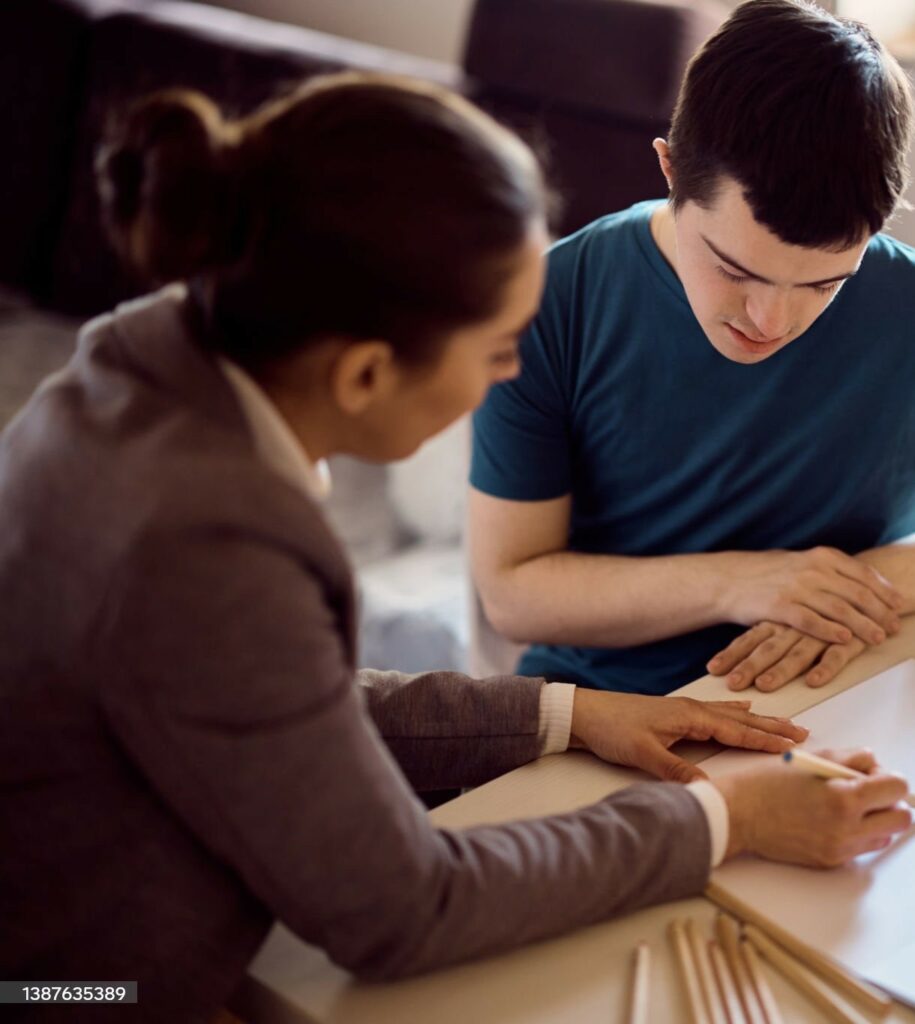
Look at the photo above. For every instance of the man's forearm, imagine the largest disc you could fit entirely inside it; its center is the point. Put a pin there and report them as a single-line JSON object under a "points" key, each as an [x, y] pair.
{"points": [[897, 563], [608, 600]]}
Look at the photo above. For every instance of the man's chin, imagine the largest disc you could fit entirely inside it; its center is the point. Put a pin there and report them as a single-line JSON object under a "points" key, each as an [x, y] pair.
{"points": [[738, 348]]}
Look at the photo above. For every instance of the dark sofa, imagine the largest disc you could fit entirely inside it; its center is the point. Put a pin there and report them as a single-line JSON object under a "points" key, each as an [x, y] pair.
{"points": [[593, 81]]}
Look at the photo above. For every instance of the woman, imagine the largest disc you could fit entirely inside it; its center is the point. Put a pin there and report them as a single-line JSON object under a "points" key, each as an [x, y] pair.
{"points": [[185, 753]]}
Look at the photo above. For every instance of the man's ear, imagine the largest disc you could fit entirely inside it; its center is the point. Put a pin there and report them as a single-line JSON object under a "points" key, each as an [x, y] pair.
{"points": [[663, 150], [361, 373]]}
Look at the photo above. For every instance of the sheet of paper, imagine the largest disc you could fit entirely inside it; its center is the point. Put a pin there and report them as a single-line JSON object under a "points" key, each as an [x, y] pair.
{"points": [[897, 974], [863, 914]]}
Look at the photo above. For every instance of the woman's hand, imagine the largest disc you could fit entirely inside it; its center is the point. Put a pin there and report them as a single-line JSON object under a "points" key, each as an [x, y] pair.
{"points": [[637, 731], [784, 814], [770, 655]]}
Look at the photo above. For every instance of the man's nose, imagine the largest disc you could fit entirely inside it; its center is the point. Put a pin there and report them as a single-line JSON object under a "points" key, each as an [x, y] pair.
{"points": [[769, 311]]}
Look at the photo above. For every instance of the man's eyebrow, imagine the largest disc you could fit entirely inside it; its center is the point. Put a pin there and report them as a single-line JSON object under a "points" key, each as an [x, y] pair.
{"points": [[765, 280]]}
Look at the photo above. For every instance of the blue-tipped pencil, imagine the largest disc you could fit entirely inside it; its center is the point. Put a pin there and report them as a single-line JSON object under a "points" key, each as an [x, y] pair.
{"points": [[825, 769]]}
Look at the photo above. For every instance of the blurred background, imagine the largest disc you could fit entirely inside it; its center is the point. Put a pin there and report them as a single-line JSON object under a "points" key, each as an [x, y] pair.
{"points": [[589, 82], [436, 28]]}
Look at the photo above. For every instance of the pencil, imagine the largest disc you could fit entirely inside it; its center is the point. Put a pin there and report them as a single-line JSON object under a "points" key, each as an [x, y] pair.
{"points": [[865, 995], [703, 964], [826, 769], [727, 986], [729, 937], [770, 1007], [803, 979], [684, 958], [638, 992]]}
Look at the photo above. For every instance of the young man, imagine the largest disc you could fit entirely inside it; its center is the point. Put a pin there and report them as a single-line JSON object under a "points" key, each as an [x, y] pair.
{"points": [[715, 424]]}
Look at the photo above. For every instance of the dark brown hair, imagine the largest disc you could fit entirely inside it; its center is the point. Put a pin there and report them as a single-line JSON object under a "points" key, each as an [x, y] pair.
{"points": [[361, 206], [807, 112]]}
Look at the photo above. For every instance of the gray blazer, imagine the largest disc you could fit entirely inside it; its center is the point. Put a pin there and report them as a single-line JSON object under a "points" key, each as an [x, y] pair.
{"points": [[184, 756]]}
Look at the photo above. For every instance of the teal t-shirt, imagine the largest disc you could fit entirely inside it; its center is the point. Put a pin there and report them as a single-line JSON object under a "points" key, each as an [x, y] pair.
{"points": [[667, 447]]}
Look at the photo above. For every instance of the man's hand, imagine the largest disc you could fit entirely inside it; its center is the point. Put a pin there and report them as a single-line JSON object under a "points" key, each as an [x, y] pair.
{"points": [[822, 593], [770, 655], [637, 731], [784, 814]]}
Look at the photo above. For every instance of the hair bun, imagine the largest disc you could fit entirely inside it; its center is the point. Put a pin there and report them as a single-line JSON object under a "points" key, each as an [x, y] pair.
{"points": [[164, 175]]}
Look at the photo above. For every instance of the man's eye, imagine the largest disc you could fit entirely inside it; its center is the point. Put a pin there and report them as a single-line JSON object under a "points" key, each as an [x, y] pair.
{"points": [[826, 289], [729, 276]]}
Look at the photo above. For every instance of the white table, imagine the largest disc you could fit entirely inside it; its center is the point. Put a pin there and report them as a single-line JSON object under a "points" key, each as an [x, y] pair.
{"points": [[580, 978]]}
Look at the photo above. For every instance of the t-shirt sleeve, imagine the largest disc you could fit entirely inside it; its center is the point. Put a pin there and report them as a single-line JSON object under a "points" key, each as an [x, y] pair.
{"points": [[521, 432]]}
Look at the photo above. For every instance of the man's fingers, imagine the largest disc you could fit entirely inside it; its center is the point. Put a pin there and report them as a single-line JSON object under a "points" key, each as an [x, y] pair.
{"points": [[739, 680], [837, 609], [870, 605], [770, 652], [833, 660], [793, 664], [739, 648], [868, 576], [805, 620]]}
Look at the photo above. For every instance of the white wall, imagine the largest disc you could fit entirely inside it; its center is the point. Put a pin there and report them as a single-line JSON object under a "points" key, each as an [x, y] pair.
{"points": [[891, 19], [429, 28], [888, 18], [436, 28], [903, 225]]}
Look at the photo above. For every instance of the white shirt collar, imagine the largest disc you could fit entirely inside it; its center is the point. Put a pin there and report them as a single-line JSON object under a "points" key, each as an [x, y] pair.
{"points": [[274, 440]]}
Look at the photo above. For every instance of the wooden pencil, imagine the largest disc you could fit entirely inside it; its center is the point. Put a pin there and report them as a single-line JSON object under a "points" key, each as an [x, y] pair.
{"points": [[803, 979], [766, 1000], [639, 988], [729, 936], [727, 987], [826, 769], [704, 970], [864, 995], [682, 954]]}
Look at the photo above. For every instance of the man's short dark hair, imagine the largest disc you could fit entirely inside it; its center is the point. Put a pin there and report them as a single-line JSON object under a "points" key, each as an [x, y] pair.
{"points": [[808, 113]]}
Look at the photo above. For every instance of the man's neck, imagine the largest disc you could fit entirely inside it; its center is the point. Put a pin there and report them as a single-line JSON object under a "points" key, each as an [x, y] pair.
{"points": [[662, 232]]}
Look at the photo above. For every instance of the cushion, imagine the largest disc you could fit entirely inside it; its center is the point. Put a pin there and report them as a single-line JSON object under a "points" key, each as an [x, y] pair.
{"points": [[618, 57], [429, 490], [361, 511], [414, 610]]}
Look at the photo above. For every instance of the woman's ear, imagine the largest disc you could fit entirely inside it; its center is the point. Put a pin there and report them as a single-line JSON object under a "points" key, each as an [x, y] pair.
{"points": [[362, 373], [663, 150]]}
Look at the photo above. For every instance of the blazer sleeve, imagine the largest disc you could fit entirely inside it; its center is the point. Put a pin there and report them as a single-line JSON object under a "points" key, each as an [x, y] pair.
{"points": [[447, 730], [227, 684]]}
